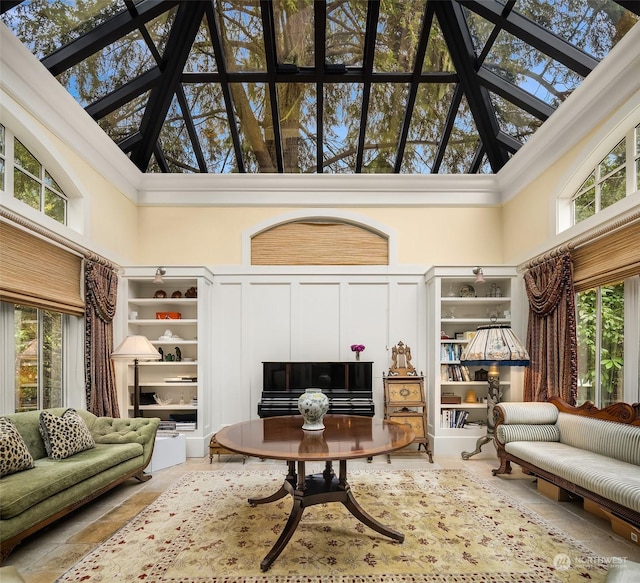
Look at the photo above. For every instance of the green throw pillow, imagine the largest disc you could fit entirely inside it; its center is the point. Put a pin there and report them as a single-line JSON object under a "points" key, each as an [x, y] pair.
{"points": [[65, 435], [14, 453]]}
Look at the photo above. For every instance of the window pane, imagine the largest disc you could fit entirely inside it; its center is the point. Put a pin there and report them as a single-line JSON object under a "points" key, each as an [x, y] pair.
{"points": [[26, 189], [397, 37], [638, 139], [614, 159], [294, 26], [54, 205], [51, 359], [2, 174], [1, 140], [346, 25], [612, 345], [25, 159], [49, 181], [588, 182], [637, 174], [586, 331], [613, 189], [242, 35], [297, 102], [341, 125], [26, 348], [584, 205]]}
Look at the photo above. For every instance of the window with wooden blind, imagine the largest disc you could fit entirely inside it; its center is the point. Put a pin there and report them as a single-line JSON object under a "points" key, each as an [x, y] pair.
{"points": [[35, 272], [319, 243], [608, 259]]}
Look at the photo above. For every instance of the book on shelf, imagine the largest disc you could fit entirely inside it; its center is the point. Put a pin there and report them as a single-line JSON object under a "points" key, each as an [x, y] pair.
{"points": [[450, 352], [453, 418], [454, 372]]}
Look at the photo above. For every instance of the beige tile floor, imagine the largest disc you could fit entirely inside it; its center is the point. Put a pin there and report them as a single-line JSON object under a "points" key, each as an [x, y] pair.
{"points": [[48, 554]]}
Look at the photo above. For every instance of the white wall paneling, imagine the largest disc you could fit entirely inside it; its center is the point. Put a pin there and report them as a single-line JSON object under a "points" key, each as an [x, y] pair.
{"points": [[270, 315]]}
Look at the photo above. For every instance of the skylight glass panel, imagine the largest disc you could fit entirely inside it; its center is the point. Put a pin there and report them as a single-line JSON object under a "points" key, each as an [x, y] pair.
{"points": [[253, 111], [297, 103], [160, 28], [294, 30], [437, 58], [398, 32], [383, 130], [44, 27], [429, 117], [201, 57], [175, 142], [345, 30], [594, 27], [240, 25], [513, 120], [462, 144], [531, 70], [341, 118], [124, 121], [108, 69], [480, 29], [209, 116]]}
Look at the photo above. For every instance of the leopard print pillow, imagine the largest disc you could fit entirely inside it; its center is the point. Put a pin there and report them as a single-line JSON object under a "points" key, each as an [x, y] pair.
{"points": [[14, 453], [65, 435]]}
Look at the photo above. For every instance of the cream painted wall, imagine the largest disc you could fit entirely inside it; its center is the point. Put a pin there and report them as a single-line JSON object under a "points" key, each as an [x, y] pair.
{"points": [[210, 236]]}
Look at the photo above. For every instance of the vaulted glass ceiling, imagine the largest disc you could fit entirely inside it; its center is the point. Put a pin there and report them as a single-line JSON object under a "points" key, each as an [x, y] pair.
{"points": [[308, 86]]}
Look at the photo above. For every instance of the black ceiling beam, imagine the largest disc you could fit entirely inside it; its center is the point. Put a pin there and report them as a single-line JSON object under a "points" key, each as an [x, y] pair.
{"points": [[124, 94], [130, 142], [161, 160], [182, 101], [183, 32], [367, 65], [309, 75], [509, 142], [476, 163], [269, 34], [320, 47], [514, 94], [104, 34], [421, 51], [631, 5], [223, 78], [533, 34], [460, 45], [6, 5], [448, 128]]}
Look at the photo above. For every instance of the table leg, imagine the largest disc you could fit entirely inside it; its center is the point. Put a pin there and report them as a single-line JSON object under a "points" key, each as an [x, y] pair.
{"points": [[284, 490], [318, 489], [357, 510], [294, 517]]}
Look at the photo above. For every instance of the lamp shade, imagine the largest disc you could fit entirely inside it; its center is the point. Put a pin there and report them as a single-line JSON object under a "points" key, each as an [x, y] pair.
{"points": [[495, 344], [136, 347]]}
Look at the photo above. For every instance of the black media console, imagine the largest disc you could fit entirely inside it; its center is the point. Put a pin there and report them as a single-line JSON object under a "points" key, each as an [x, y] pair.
{"points": [[349, 386]]}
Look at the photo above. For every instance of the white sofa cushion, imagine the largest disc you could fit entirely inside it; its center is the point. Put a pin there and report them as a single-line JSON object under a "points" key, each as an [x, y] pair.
{"points": [[611, 478], [615, 440]]}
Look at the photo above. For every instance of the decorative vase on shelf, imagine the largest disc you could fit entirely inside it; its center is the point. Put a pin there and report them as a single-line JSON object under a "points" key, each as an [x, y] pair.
{"points": [[313, 405]]}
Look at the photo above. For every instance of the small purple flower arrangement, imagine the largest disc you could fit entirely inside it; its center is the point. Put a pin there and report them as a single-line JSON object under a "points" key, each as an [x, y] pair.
{"points": [[357, 348]]}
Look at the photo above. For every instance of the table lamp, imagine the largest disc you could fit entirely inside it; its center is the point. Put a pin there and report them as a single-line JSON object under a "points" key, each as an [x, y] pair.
{"points": [[136, 348], [493, 346]]}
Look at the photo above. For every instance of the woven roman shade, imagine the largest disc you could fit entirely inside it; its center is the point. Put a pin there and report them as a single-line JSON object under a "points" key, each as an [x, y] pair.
{"points": [[608, 259], [36, 273], [319, 243]]}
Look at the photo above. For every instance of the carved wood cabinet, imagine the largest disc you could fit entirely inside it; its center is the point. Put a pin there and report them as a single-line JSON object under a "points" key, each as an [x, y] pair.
{"points": [[404, 402]]}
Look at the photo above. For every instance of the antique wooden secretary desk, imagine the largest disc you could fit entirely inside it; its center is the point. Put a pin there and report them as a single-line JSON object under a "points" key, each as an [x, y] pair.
{"points": [[404, 397]]}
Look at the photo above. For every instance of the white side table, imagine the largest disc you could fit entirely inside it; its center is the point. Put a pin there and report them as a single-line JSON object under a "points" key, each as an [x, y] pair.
{"points": [[168, 451]]}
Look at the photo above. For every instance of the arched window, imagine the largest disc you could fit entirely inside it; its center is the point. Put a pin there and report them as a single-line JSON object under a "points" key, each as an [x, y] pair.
{"points": [[24, 176]]}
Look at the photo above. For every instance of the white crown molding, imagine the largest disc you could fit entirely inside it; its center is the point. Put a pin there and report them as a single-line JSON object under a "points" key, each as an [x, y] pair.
{"points": [[312, 190], [28, 82], [611, 84]]}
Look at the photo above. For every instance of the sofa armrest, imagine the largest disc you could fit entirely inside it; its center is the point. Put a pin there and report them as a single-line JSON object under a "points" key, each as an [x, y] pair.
{"points": [[517, 432], [138, 430], [527, 413]]}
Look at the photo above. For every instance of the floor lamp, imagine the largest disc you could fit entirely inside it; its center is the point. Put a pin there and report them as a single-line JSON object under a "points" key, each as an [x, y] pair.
{"points": [[136, 348], [494, 345]]}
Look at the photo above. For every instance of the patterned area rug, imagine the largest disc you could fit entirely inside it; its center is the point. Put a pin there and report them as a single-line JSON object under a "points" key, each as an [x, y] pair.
{"points": [[457, 526]]}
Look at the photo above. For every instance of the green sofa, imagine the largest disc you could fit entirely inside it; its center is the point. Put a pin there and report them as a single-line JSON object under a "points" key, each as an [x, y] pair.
{"points": [[33, 498]]}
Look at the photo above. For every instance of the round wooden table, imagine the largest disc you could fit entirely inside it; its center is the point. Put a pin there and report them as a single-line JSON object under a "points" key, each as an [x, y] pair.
{"points": [[344, 437]]}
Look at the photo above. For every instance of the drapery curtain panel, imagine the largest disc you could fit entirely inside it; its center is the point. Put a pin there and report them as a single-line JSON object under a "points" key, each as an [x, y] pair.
{"points": [[101, 291], [551, 335]]}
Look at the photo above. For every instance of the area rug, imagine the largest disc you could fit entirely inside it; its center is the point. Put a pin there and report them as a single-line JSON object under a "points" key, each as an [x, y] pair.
{"points": [[458, 527]]}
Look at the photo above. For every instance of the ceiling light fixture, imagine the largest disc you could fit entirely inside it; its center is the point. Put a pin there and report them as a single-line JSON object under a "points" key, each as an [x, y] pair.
{"points": [[159, 273], [479, 275]]}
